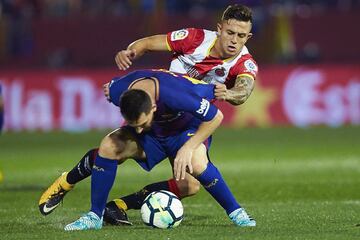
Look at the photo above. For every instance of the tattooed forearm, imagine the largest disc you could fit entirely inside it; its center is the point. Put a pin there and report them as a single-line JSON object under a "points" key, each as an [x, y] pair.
{"points": [[241, 91]]}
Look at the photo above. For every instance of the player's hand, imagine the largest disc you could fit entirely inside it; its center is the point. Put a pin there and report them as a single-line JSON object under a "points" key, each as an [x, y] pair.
{"points": [[106, 90], [182, 162], [220, 91], [124, 58]]}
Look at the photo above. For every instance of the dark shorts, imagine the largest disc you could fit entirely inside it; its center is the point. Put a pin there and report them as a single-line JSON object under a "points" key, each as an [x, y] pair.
{"points": [[159, 148]]}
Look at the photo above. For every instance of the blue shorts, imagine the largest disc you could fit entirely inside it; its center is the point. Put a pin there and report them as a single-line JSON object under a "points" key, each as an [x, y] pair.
{"points": [[159, 148]]}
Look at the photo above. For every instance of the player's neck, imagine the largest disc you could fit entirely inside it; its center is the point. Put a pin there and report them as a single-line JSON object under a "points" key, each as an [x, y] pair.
{"points": [[214, 52]]}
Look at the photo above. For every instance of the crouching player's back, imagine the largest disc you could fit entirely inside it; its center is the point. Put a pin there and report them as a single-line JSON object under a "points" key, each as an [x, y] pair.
{"points": [[180, 100]]}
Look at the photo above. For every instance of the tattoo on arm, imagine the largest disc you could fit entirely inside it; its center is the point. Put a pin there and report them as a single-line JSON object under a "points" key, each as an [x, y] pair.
{"points": [[241, 91]]}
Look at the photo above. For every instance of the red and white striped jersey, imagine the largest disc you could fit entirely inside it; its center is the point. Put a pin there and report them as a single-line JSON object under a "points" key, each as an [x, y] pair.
{"points": [[191, 49]]}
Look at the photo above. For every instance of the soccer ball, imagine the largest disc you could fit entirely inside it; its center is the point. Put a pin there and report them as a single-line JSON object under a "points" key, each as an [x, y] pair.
{"points": [[162, 209]]}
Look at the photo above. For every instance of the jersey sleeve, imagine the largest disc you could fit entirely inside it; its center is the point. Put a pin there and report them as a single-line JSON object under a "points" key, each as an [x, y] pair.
{"points": [[116, 88], [248, 67], [185, 41]]}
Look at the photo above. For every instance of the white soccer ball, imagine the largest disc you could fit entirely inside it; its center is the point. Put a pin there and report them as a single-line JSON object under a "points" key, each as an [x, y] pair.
{"points": [[162, 209]]}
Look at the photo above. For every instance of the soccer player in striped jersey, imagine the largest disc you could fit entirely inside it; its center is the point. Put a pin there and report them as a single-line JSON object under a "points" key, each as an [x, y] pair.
{"points": [[218, 57]]}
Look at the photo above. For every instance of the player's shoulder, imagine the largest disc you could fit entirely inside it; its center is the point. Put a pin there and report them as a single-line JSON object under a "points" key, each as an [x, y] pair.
{"points": [[245, 63], [186, 33], [245, 57]]}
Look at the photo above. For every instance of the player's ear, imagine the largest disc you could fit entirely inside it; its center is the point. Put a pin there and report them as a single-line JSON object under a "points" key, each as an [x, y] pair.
{"points": [[219, 27], [249, 35], [154, 108]]}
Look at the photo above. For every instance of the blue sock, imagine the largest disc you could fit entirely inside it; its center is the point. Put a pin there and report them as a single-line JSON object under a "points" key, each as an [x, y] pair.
{"points": [[102, 179], [213, 182]]}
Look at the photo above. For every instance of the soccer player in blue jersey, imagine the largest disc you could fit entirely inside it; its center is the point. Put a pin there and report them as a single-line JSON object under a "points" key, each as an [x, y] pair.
{"points": [[167, 116]]}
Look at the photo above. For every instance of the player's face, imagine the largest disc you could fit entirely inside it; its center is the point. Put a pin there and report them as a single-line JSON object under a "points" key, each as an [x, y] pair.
{"points": [[144, 122], [233, 35]]}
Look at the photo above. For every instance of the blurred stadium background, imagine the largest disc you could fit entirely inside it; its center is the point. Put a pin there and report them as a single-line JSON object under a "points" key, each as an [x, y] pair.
{"points": [[55, 54], [297, 138]]}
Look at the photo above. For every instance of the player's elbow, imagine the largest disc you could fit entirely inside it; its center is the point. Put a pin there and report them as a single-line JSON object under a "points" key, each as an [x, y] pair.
{"points": [[219, 116]]}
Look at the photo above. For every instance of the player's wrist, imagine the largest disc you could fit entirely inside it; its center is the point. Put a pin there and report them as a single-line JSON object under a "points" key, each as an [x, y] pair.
{"points": [[189, 145]]}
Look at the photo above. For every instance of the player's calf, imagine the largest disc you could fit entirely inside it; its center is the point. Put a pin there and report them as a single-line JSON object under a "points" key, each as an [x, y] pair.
{"points": [[187, 187]]}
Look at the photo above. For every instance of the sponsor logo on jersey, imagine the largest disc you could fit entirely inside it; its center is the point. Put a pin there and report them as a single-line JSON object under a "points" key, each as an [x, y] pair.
{"points": [[179, 35], [192, 72], [220, 71], [204, 107], [250, 66]]}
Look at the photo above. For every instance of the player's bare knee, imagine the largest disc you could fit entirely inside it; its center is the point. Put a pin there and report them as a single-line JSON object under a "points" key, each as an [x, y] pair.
{"points": [[108, 148], [199, 160], [120, 145]]}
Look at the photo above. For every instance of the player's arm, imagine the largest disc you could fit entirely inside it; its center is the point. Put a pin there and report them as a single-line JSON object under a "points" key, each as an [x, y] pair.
{"points": [[211, 118], [244, 85], [136, 49], [183, 157]]}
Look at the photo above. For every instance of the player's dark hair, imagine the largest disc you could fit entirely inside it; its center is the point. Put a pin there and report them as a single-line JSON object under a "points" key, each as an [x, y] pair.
{"points": [[133, 103], [238, 12]]}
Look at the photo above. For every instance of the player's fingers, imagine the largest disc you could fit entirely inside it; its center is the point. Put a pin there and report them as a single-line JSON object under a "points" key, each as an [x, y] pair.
{"points": [[220, 95], [190, 167], [123, 63], [220, 98], [220, 85], [217, 95], [118, 63], [176, 169], [180, 171], [127, 59], [220, 88], [220, 92], [183, 171]]}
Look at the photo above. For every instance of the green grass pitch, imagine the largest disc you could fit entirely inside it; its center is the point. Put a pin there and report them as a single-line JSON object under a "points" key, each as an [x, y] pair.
{"points": [[297, 184]]}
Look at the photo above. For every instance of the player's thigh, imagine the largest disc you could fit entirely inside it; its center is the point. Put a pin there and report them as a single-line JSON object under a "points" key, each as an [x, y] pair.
{"points": [[121, 144], [199, 160]]}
